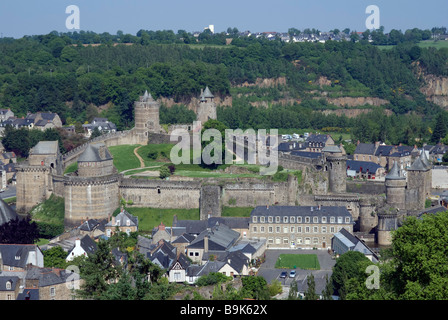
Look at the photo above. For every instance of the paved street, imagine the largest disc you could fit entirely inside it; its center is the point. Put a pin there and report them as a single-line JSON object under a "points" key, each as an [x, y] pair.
{"points": [[9, 192]]}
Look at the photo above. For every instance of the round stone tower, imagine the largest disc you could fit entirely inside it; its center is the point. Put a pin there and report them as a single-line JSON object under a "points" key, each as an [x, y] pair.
{"points": [[368, 219], [91, 192], [337, 169], [387, 222], [396, 188], [146, 115]]}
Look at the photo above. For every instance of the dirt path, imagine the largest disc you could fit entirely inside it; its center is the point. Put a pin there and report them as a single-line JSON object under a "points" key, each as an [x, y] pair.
{"points": [[142, 163]]}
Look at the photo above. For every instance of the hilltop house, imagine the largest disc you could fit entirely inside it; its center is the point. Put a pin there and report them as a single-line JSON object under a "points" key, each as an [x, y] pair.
{"points": [[102, 124], [124, 221], [83, 247]]}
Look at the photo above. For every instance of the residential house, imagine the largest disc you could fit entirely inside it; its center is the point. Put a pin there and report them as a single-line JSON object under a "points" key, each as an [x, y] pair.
{"points": [[45, 120], [124, 221], [5, 114], [365, 170], [316, 142], [182, 241], [385, 155], [177, 272], [15, 257], [9, 287], [218, 238], [102, 124], [93, 228], [8, 157], [51, 283], [305, 227], [83, 247], [343, 241]]}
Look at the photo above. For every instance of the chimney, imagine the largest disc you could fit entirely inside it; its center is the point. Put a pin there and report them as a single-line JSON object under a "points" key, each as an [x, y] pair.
{"points": [[77, 243], [206, 243]]}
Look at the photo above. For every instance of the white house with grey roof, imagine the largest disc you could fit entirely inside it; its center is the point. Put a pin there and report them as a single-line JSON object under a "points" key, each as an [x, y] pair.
{"points": [[16, 257], [304, 227]]}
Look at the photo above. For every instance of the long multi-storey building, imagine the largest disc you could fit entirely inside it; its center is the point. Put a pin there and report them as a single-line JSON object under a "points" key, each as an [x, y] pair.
{"points": [[304, 227]]}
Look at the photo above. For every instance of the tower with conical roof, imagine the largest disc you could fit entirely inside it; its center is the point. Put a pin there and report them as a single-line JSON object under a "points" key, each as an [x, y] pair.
{"points": [[419, 183], [396, 188], [146, 115], [207, 107]]}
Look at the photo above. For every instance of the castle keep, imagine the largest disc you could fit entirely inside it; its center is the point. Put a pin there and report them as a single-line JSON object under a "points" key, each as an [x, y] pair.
{"points": [[95, 189]]}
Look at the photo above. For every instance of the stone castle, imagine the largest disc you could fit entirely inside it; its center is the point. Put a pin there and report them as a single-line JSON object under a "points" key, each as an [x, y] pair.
{"points": [[94, 191]]}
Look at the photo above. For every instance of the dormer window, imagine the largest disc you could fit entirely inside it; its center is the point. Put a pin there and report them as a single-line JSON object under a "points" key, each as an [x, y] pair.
{"points": [[17, 257], [8, 285], [128, 222]]}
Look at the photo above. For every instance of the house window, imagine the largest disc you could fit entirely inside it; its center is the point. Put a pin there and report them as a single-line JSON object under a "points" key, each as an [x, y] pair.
{"points": [[299, 229], [270, 229], [299, 219], [285, 240], [254, 219], [277, 229], [307, 229], [292, 230], [8, 285], [262, 229], [277, 219], [270, 219], [347, 219], [52, 291], [307, 219], [262, 219], [315, 229], [285, 219], [292, 219], [331, 229], [324, 219], [315, 240], [315, 219], [299, 241], [254, 229], [339, 219], [278, 240], [307, 240], [271, 241], [285, 229], [324, 229], [332, 220]]}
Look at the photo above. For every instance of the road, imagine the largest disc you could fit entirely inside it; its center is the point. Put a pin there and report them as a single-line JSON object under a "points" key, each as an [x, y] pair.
{"points": [[9, 192]]}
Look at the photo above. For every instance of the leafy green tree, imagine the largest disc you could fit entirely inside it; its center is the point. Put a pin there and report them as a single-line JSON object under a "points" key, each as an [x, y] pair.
{"points": [[164, 172], [97, 271], [293, 290], [310, 293], [255, 288], [55, 258]]}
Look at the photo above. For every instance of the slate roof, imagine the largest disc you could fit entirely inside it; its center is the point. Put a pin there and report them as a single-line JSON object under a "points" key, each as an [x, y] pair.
{"points": [[122, 220], [45, 147], [47, 276], [317, 138], [363, 166], [28, 294], [163, 255], [207, 93], [10, 252], [191, 226], [184, 238], [91, 225], [220, 238], [300, 211], [209, 266], [383, 150], [92, 153], [307, 154], [88, 245], [14, 280], [432, 210], [231, 222], [6, 213], [394, 173], [418, 165]]}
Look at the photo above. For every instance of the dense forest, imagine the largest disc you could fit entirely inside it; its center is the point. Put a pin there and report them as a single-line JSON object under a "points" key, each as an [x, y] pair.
{"points": [[75, 73]]}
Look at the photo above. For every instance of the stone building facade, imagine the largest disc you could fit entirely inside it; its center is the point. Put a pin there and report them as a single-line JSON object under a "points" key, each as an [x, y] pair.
{"points": [[305, 227]]}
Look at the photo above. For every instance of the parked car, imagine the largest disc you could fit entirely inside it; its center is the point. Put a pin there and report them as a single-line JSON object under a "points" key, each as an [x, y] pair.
{"points": [[284, 274], [292, 274]]}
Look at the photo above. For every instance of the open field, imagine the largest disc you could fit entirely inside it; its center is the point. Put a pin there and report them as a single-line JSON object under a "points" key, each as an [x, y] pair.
{"points": [[148, 218], [124, 157], [301, 261]]}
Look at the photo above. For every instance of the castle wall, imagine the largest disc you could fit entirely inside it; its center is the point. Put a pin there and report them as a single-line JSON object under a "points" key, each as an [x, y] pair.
{"points": [[366, 187], [32, 187], [161, 194], [93, 198]]}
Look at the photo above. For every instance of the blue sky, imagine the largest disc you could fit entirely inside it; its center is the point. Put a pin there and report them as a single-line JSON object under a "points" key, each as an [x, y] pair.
{"points": [[30, 17]]}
